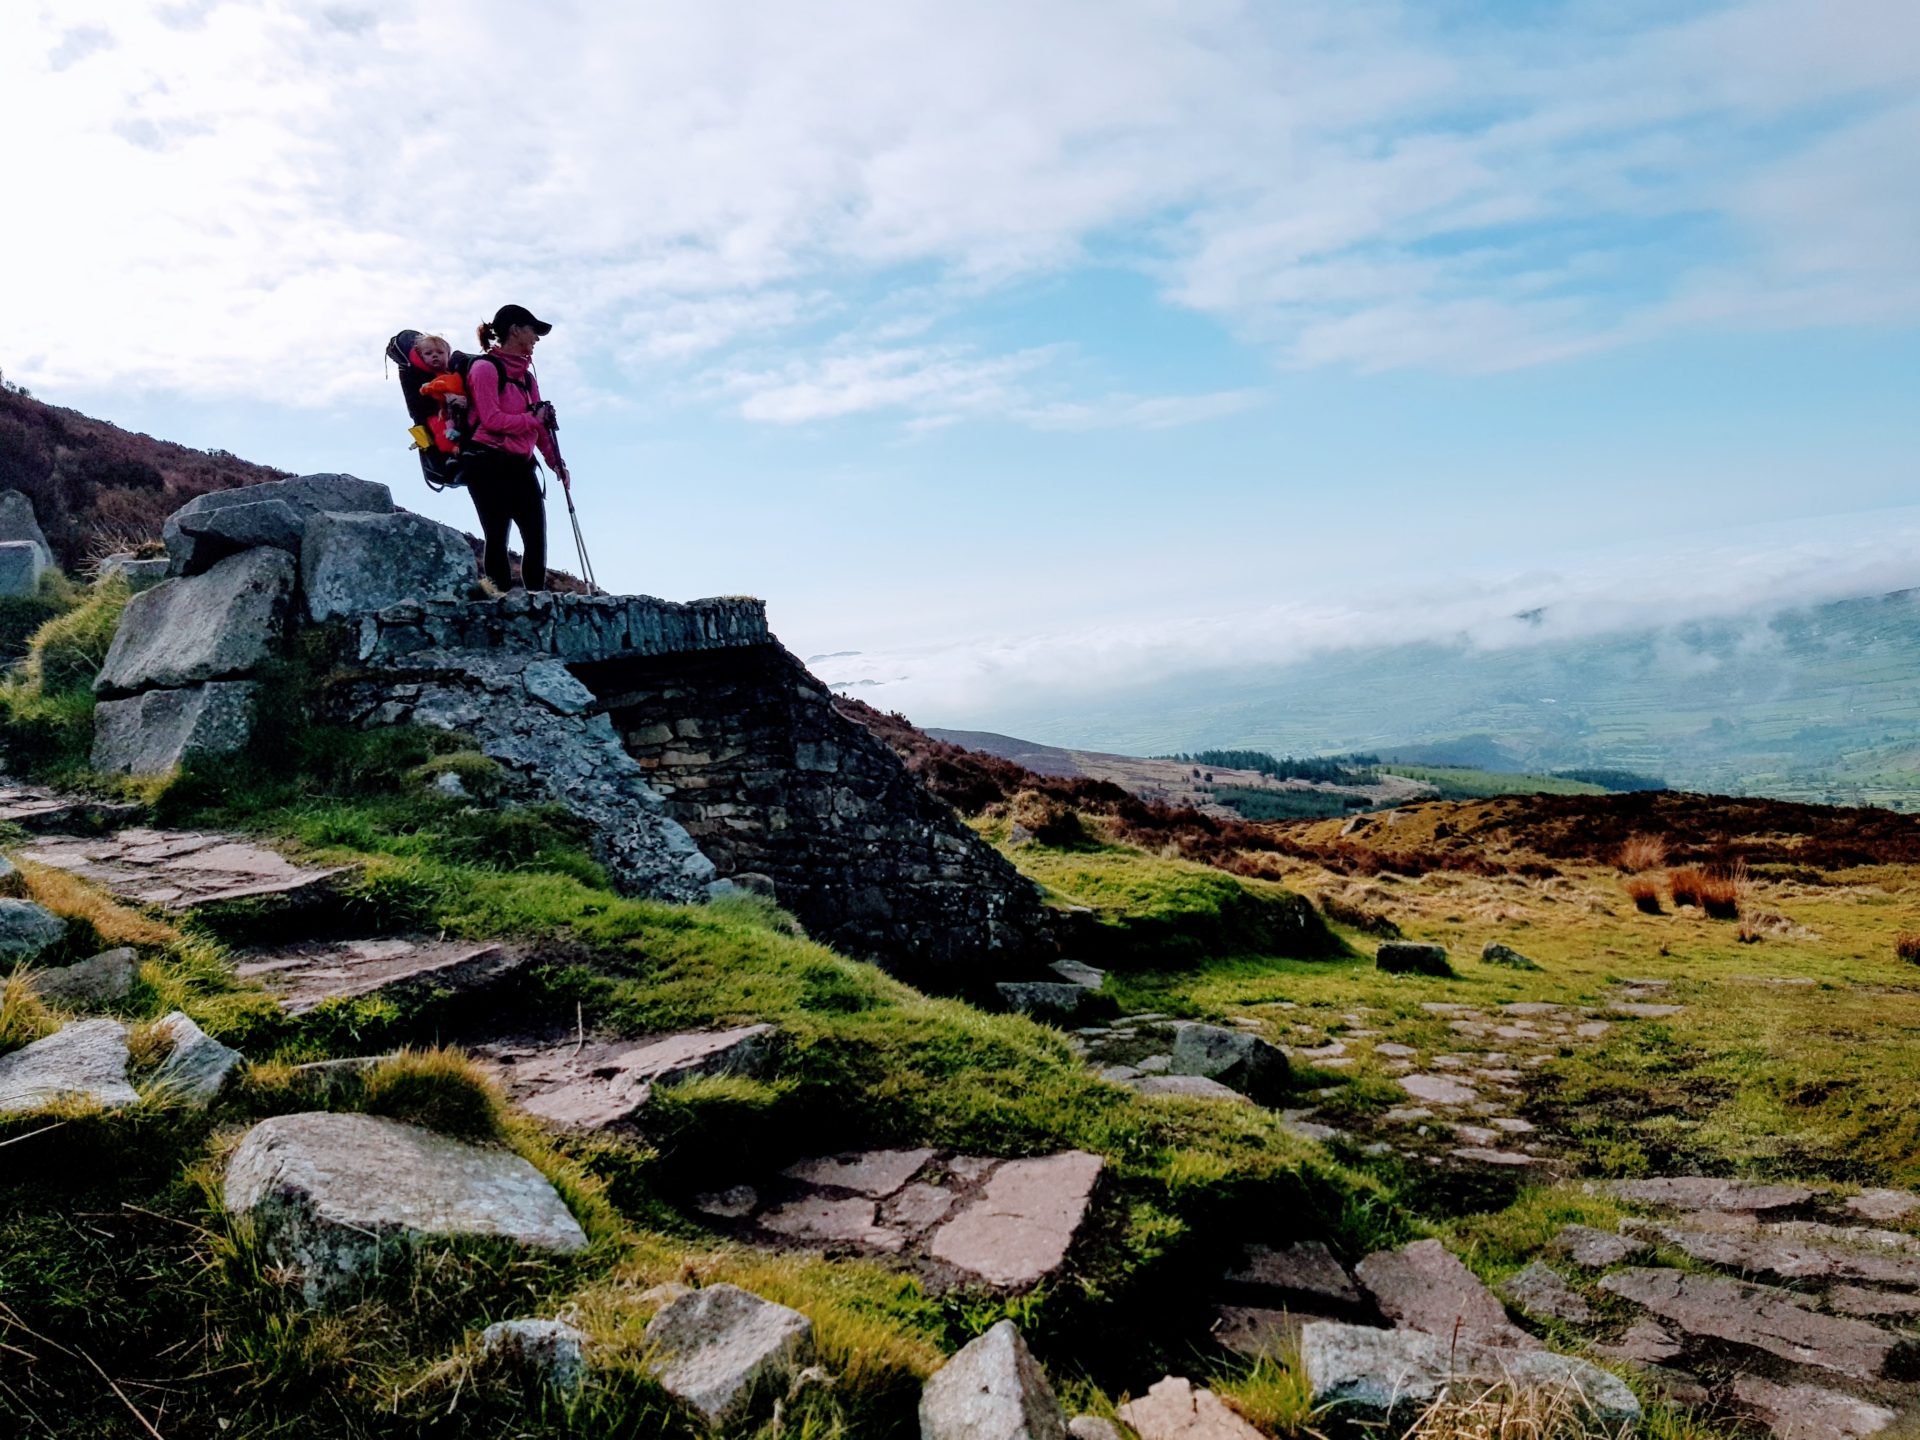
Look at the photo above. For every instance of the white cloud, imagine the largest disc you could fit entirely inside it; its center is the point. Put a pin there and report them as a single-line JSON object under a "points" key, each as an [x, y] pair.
{"points": [[1334, 179]]}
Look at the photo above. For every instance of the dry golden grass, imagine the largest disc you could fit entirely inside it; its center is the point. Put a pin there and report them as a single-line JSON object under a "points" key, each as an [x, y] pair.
{"points": [[1642, 852], [1645, 895], [73, 898], [23, 1019], [1502, 1411]]}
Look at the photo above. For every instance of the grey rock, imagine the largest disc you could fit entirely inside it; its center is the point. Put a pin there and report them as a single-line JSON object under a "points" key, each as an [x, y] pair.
{"points": [[1093, 1427], [1306, 1268], [332, 1197], [101, 980], [155, 733], [1761, 1319], [592, 1086], [1882, 1204], [196, 541], [1056, 999], [310, 973], [992, 1389], [553, 685], [28, 930], [136, 571], [1495, 953], [180, 869], [1370, 1375], [19, 523], [20, 567], [1407, 957], [1873, 1304], [1234, 1058], [1187, 1087], [1645, 1343], [1810, 1412], [551, 1352], [1704, 1192], [713, 1348], [197, 1065], [1596, 1249], [355, 564], [1439, 1089], [222, 623], [1772, 1256], [85, 1061], [1173, 1410], [1076, 972], [875, 1173], [1019, 1229], [1423, 1287], [1540, 1291]]}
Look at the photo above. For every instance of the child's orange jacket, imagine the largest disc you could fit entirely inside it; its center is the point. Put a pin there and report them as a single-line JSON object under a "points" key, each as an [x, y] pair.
{"points": [[445, 387]]}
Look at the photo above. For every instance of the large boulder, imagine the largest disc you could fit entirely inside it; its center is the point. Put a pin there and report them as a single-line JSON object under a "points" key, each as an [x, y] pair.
{"points": [[353, 564], [19, 523], [992, 1388], [21, 565], [85, 1061], [333, 1196], [202, 533], [1232, 1057], [160, 731], [1408, 957], [182, 632], [714, 1348], [1366, 1375]]}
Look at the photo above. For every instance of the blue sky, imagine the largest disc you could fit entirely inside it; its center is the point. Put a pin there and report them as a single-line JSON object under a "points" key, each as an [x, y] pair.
{"points": [[1030, 348]]}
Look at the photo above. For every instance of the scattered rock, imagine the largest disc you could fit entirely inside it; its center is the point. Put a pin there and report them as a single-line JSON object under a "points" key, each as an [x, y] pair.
{"points": [[1304, 1269], [1236, 1059], [1540, 1291], [1174, 1410], [197, 1065], [1808, 1412], [1050, 999], [1093, 1427], [1761, 1319], [1371, 1375], [84, 1061], [28, 930], [332, 1196], [307, 975], [735, 1203], [1395, 1051], [1407, 957], [1018, 1231], [1596, 1249], [1191, 1087], [1497, 954], [602, 1083], [918, 1207], [1485, 1155], [21, 566], [356, 564], [993, 1387], [1637, 1011], [1771, 1256], [1075, 972], [825, 1220], [550, 1352], [1423, 1287], [1882, 1204], [1439, 1089], [1703, 1192], [105, 978], [161, 730], [1645, 1343], [139, 573], [18, 524], [1857, 1300], [216, 625], [878, 1173], [712, 1348]]}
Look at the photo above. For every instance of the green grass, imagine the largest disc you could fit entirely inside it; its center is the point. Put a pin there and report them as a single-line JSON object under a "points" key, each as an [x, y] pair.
{"points": [[1459, 783]]}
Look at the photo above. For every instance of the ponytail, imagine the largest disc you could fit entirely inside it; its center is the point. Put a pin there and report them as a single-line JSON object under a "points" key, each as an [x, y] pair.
{"points": [[487, 335]]}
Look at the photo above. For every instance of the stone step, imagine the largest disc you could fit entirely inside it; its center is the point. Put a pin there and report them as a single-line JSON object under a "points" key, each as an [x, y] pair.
{"points": [[39, 809], [582, 1084], [308, 975], [183, 869]]}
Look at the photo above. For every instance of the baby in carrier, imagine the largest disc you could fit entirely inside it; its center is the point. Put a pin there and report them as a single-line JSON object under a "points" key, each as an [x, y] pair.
{"points": [[436, 397]]}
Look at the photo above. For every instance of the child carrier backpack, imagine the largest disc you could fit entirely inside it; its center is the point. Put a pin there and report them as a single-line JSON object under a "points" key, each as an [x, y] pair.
{"points": [[438, 467]]}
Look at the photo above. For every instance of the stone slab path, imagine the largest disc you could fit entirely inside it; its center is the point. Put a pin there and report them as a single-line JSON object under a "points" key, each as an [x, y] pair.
{"points": [[181, 869], [955, 1219], [581, 1084], [36, 808], [308, 975]]}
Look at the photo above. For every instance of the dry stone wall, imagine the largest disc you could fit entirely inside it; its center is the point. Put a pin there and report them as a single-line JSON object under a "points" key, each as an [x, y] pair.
{"points": [[750, 756]]}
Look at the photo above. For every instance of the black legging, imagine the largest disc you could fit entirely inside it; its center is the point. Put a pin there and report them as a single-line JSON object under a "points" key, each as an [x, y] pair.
{"points": [[506, 492]]}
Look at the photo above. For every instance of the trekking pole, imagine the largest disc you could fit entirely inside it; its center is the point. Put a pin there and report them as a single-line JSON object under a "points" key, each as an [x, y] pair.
{"points": [[573, 515]]}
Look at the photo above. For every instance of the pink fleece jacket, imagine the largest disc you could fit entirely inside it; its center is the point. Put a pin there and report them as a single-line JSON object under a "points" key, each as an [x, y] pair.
{"points": [[500, 411]]}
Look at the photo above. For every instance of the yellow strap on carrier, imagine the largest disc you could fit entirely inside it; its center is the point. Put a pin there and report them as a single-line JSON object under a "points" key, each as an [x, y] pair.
{"points": [[422, 437]]}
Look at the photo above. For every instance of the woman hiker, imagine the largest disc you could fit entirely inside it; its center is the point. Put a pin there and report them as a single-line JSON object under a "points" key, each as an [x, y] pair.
{"points": [[508, 421]]}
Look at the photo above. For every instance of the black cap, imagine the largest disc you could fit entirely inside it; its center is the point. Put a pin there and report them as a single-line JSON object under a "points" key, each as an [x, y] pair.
{"points": [[508, 316]]}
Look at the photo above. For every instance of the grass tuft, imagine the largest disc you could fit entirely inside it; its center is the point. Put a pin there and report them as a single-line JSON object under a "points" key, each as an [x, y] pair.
{"points": [[1906, 945], [1641, 852], [23, 1018], [440, 1089], [1645, 895]]}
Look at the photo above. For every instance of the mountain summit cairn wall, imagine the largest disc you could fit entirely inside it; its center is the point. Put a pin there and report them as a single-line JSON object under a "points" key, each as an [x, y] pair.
{"points": [[692, 744]]}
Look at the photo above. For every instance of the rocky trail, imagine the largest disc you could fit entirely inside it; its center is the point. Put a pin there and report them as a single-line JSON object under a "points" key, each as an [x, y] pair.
{"points": [[1791, 1305]]}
